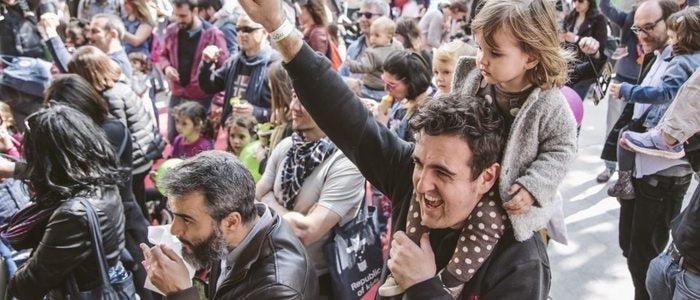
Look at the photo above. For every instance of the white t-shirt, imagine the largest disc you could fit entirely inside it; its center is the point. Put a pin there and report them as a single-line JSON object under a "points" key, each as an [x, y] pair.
{"points": [[335, 184]]}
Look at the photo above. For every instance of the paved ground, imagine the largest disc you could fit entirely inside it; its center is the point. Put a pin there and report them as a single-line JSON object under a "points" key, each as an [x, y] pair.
{"points": [[591, 266]]}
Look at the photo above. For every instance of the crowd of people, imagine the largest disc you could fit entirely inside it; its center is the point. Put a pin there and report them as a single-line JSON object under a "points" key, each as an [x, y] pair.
{"points": [[456, 123]]}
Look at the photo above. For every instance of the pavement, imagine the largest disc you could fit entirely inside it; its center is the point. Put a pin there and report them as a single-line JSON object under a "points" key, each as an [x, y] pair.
{"points": [[591, 266]]}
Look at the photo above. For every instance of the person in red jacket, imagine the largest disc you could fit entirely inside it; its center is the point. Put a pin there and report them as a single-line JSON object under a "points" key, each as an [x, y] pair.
{"points": [[185, 40]]}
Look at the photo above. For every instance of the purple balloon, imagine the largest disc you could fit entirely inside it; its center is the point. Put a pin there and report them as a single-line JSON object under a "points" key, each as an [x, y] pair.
{"points": [[575, 103]]}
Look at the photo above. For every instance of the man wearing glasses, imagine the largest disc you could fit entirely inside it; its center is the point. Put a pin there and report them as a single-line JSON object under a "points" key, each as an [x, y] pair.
{"points": [[659, 184], [183, 45], [243, 78], [370, 10]]}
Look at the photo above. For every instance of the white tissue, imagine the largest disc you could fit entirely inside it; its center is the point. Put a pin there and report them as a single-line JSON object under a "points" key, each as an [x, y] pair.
{"points": [[160, 235]]}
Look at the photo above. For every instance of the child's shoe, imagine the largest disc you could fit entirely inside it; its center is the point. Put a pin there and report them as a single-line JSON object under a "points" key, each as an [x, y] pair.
{"points": [[623, 188], [652, 143]]}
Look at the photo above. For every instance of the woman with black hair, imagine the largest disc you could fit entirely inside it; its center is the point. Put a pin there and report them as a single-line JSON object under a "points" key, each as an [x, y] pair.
{"points": [[69, 158], [407, 81], [74, 91], [123, 104], [583, 21]]}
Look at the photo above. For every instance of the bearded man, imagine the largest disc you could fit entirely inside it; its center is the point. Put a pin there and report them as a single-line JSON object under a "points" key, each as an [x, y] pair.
{"points": [[252, 253]]}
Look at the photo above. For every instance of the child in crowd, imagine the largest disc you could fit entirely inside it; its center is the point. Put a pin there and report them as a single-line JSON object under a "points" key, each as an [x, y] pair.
{"points": [[243, 143], [519, 68], [195, 131], [241, 131], [141, 81], [683, 30], [10, 139], [445, 61], [680, 122], [75, 34], [370, 64]]}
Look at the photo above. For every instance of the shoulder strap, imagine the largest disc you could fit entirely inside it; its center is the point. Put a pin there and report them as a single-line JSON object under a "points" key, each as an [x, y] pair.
{"points": [[96, 238], [124, 140]]}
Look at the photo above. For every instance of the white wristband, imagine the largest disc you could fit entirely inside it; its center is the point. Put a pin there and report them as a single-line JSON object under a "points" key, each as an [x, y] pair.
{"points": [[283, 31]]}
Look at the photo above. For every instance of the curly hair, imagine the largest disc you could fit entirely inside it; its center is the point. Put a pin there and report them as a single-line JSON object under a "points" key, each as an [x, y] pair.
{"points": [[533, 24], [67, 154], [686, 25], [472, 119]]}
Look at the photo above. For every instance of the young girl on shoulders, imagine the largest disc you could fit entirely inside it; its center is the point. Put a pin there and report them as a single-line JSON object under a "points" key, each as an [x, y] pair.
{"points": [[519, 67]]}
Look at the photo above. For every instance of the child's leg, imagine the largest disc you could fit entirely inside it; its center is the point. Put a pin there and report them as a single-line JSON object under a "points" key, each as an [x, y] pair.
{"points": [[485, 226], [623, 188], [682, 118]]}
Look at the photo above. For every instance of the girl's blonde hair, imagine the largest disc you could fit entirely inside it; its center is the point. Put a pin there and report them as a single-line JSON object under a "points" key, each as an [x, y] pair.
{"points": [[449, 53], [533, 24], [686, 25]]}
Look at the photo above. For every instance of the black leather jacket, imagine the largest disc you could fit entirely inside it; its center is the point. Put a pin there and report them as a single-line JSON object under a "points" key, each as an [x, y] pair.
{"points": [[65, 247], [273, 265]]}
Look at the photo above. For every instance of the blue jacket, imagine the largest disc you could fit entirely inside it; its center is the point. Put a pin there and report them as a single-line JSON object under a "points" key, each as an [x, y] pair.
{"points": [[678, 71]]}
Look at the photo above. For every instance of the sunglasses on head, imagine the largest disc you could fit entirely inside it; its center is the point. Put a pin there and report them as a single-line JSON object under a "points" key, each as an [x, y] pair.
{"points": [[367, 15], [389, 85], [247, 29]]}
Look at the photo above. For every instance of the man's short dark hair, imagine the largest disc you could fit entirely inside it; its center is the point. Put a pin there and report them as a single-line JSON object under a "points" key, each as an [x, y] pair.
{"points": [[192, 4], [225, 182], [471, 118]]}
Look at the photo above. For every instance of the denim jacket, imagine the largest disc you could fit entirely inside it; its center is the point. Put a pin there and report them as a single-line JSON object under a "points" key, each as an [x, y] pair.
{"points": [[677, 72]]}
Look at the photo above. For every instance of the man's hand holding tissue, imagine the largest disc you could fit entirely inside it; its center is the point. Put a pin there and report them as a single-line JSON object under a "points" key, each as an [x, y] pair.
{"points": [[166, 269]]}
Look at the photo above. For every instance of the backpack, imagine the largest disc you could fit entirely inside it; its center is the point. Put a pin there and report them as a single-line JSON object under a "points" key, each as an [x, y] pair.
{"points": [[333, 55]]}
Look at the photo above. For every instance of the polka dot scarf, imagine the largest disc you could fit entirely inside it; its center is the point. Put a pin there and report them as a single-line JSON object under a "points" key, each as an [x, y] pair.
{"points": [[301, 160], [483, 229]]}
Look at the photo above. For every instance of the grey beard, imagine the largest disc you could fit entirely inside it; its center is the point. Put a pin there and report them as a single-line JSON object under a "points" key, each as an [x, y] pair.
{"points": [[207, 252]]}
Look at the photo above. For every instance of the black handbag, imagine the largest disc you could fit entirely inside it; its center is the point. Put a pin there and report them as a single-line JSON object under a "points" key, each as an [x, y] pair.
{"points": [[123, 289], [602, 80], [354, 256]]}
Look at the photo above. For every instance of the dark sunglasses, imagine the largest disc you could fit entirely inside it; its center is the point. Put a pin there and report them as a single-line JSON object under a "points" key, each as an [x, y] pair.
{"points": [[367, 15], [646, 28], [247, 29]]}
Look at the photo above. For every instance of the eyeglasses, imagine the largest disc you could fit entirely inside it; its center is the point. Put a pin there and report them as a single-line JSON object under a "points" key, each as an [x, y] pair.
{"points": [[646, 28], [366, 14], [247, 29], [580, 1]]}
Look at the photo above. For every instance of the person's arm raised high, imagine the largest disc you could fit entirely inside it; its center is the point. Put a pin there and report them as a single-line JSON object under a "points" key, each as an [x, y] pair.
{"points": [[382, 157]]}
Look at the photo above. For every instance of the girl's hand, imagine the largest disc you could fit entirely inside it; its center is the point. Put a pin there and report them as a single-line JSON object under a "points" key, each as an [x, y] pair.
{"points": [[521, 200]]}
